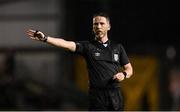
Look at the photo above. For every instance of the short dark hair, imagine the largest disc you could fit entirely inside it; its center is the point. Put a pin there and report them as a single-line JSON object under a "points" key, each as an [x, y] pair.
{"points": [[103, 14]]}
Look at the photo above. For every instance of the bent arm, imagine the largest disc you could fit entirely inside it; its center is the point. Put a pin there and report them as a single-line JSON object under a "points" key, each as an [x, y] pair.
{"points": [[59, 42], [129, 72], [128, 69]]}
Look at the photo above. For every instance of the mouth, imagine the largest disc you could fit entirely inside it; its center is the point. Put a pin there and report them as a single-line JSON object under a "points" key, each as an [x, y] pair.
{"points": [[98, 31], [99, 34]]}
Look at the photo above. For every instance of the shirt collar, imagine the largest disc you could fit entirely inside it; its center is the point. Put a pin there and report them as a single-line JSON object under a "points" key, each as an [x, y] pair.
{"points": [[105, 44]]}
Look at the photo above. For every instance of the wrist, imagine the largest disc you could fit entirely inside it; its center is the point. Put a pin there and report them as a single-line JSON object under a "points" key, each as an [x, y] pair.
{"points": [[40, 36], [45, 39], [125, 74]]}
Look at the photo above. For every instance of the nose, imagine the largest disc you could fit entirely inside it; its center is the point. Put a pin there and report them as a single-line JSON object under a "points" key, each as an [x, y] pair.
{"points": [[99, 26]]}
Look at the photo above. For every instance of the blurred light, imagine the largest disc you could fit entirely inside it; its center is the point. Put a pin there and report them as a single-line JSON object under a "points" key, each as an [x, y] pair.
{"points": [[171, 52]]}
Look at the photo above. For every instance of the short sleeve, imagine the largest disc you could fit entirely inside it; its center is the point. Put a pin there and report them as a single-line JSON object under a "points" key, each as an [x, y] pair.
{"points": [[80, 47], [123, 56]]}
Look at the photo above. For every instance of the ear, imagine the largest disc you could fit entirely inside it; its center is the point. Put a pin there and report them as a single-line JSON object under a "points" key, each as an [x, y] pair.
{"points": [[109, 27]]}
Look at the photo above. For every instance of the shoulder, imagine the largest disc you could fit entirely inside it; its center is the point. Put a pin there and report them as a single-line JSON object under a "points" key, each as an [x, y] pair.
{"points": [[81, 43], [116, 44]]}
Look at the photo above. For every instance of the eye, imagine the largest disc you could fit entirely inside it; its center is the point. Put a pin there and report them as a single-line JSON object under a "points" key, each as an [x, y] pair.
{"points": [[95, 24], [102, 23]]}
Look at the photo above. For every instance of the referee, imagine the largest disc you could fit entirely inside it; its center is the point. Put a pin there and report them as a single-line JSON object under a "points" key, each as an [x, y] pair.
{"points": [[107, 63]]}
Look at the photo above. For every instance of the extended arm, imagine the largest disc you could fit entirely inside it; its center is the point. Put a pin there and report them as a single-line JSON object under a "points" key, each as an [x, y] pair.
{"points": [[59, 42]]}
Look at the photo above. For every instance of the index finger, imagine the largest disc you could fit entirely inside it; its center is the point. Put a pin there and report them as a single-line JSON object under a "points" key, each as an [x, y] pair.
{"points": [[30, 31]]}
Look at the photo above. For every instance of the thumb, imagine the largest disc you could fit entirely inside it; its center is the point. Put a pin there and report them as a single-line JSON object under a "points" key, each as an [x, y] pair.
{"points": [[114, 77]]}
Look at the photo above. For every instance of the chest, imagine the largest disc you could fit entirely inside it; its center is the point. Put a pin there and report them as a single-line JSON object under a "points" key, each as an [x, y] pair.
{"points": [[108, 54]]}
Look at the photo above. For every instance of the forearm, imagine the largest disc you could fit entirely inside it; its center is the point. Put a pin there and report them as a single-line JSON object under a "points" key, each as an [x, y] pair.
{"points": [[59, 42], [129, 70], [126, 73]]}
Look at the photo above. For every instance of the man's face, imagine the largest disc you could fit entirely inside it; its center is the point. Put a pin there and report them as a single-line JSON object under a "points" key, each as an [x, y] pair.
{"points": [[100, 26]]}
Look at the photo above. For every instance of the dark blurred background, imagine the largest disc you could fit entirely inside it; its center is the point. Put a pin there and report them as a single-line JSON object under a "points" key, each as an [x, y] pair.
{"points": [[37, 76]]}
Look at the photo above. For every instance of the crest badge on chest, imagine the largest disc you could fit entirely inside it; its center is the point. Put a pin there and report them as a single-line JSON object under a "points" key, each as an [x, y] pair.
{"points": [[97, 54], [116, 57]]}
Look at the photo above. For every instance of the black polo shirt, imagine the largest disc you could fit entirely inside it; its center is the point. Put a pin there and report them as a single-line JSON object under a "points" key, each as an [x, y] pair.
{"points": [[102, 62]]}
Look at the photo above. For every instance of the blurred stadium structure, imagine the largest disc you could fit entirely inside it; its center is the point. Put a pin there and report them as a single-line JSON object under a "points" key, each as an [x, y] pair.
{"points": [[37, 76]]}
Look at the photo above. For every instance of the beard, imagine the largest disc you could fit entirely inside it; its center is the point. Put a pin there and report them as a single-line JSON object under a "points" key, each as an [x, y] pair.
{"points": [[100, 34]]}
